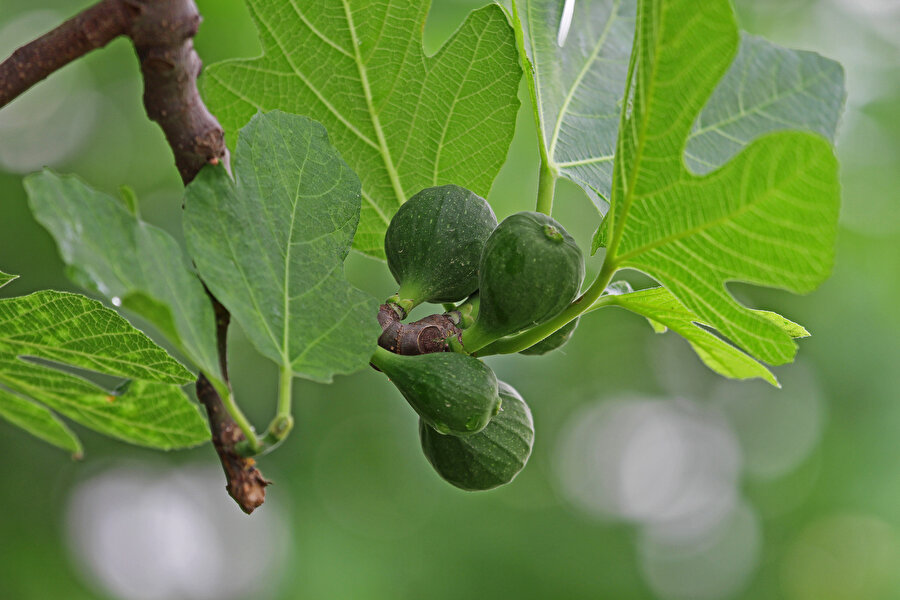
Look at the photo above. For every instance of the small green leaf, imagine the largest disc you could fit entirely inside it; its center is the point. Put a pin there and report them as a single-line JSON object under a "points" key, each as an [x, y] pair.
{"points": [[402, 120], [767, 217], [271, 246], [664, 311], [39, 422], [129, 199], [5, 278], [72, 330], [133, 264]]}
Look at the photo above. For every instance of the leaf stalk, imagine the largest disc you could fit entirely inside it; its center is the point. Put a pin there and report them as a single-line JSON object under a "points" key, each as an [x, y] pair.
{"points": [[548, 172], [546, 187], [251, 441]]}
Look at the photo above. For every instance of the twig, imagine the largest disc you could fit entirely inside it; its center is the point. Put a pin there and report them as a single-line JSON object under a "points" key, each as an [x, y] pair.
{"points": [[162, 33], [91, 29], [245, 483]]}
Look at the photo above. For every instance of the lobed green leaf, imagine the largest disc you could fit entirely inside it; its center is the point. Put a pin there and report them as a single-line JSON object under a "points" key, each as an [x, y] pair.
{"points": [[146, 413], [402, 120], [579, 86], [664, 311], [769, 216], [74, 330], [767, 88]]}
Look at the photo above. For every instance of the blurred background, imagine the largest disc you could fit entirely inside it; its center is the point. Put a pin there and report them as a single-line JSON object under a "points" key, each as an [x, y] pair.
{"points": [[650, 478]]}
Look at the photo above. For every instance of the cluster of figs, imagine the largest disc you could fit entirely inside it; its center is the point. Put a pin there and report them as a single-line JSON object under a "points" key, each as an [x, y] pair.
{"points": [[444, 246]]}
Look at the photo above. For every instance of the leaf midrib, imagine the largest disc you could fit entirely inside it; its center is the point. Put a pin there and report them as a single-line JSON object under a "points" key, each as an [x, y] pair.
{"points": [[373, 114], [462, 81], [641, 137], [331, 108], [285, 341]]}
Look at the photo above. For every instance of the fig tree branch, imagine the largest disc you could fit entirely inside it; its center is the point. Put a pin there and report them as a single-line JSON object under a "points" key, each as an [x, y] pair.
{"points": [[33, 62], [244, 481], [162, 33]]}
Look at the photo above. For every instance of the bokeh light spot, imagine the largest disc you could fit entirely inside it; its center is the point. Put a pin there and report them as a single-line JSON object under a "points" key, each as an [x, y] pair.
{"points": [[140, 532], [665, 463], [777, 428], [711, 566]]}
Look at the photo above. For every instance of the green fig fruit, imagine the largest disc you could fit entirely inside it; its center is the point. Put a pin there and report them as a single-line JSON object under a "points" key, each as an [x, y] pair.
{"points": [[490, 458], [453, 393], [433, 244], [530, 271]]}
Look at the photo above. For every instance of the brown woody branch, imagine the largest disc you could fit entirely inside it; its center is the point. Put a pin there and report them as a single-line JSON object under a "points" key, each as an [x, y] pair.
{"points": [[162, 32], [33, 62], [419, 337], [244, 481]]}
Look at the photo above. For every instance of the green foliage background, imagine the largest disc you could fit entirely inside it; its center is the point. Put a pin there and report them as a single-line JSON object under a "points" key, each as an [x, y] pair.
{"points": [[366, 516]]}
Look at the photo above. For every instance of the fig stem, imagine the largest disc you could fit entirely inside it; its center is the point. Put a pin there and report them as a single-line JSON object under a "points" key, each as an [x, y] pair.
{"points": [[285, 387], [474, 339], [548, 172], [589, 300], [402, 306], [274, 436], [379, 357]]}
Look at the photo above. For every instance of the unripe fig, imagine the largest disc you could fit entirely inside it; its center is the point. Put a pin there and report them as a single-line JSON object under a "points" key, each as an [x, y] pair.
{"points": [[490, 458], [433, 244], [530, 271], [453, 393], [555, 340]]}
